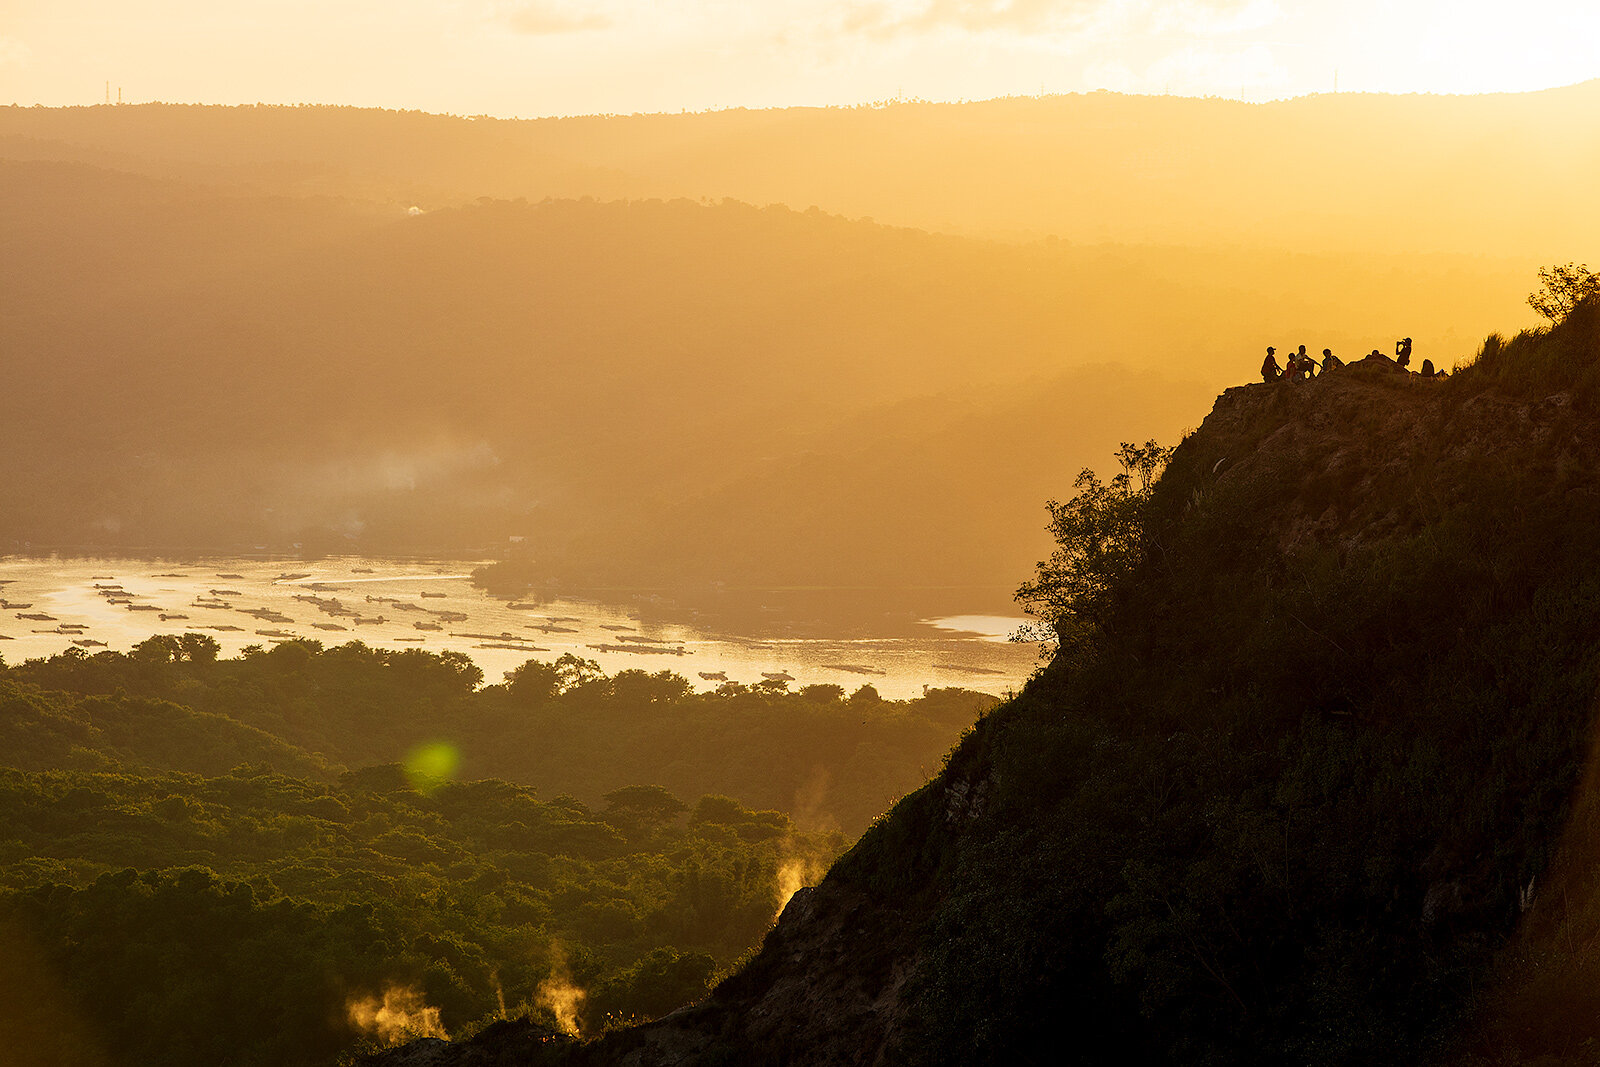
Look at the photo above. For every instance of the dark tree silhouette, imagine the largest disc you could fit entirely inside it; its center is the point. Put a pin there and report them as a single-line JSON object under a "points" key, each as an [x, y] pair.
{"points": [[1563, 287]]}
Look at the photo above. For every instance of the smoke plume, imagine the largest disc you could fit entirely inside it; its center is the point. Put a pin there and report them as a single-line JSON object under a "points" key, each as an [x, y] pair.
{"points": [[560, 994], [794, 874], [400, 1015]]}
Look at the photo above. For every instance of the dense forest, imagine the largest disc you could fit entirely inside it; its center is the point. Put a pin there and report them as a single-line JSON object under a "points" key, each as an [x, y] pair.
{"points": [[273, 858], [835, 760]]}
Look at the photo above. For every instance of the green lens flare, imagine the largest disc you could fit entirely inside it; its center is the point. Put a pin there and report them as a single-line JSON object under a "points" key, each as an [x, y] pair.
{"points": [[432, 765]]}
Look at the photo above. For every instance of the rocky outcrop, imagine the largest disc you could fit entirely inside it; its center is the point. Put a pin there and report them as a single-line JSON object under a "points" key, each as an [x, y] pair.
{"points": [[1368, 452]]}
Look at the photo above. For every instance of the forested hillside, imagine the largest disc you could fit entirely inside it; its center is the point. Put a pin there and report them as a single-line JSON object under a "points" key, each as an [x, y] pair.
{"points": [[275, 858], [246, 918]]}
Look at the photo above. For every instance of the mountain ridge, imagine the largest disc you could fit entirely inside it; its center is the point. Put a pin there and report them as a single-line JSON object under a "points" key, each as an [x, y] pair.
{"points": [[1086, 167]]}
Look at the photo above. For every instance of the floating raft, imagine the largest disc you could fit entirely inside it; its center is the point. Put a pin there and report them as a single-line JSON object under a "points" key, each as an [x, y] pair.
{"points": [[853, 668], [642, 650]]}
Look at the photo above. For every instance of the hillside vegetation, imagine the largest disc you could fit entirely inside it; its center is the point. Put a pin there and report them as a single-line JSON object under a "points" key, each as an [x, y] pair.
{"points": [[835, 760], [301, 852], [244, 918], [1293, 796]]}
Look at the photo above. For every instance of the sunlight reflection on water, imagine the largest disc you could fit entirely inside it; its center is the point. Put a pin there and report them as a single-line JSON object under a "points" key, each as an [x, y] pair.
{"points": [[989, 627], [386, 605]]}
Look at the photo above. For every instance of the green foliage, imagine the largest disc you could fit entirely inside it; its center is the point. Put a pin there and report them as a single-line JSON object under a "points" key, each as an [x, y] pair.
{"points": [[268, 903], [40, 730], [564, 726], [167, 778], [653, 986]]}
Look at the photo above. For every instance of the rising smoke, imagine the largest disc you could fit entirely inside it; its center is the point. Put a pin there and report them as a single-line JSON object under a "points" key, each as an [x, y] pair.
{"points": [[794, 874], [560, 994], [400, 1015]]}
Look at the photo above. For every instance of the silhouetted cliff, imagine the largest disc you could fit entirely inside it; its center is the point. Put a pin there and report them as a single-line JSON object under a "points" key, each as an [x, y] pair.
{"points": [[1293, 803]]}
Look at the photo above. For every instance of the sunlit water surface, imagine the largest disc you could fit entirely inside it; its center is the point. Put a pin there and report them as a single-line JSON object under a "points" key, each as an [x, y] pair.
{"points": [[96, 604]]}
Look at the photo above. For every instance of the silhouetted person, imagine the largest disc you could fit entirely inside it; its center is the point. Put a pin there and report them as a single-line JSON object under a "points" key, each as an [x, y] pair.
{"points": [[1402, 352], [1330, 361], [1427, 368], [1270, 371], [1307, 367]]}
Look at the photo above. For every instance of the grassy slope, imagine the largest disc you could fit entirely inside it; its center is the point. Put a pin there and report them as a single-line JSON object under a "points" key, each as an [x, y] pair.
{"points": [[1544, 1008]]}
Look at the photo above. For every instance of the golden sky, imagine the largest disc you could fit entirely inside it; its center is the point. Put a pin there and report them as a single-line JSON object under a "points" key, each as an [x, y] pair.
{"points": [[550, 57]]}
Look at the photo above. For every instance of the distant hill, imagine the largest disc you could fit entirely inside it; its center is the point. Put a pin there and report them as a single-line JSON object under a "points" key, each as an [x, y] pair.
{"points": [[649, 392], [1353, 172]]}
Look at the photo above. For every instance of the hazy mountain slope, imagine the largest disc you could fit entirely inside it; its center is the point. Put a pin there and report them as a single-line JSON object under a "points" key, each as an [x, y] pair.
{"points": [[648, 391], [858, 503], [1354, 172], [1286, 807]]}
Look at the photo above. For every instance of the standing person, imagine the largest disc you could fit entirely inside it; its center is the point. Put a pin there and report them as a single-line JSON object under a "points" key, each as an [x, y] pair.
{"points": [[1330, 361], [1402, 352], [1270, 371]]}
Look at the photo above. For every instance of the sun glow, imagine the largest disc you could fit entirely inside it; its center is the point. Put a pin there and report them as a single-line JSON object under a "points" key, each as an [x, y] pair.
{"points": [[540, 57]]}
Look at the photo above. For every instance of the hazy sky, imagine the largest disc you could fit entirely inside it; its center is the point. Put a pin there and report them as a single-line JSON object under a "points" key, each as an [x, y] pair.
{"points": [[543, 57]]}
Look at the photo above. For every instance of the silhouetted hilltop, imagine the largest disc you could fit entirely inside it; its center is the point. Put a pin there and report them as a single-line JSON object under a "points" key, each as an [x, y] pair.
{"points": [[1291, 799]]}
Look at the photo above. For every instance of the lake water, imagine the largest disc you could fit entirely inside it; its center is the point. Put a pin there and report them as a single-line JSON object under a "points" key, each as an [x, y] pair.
{"points": [[116, 603]]}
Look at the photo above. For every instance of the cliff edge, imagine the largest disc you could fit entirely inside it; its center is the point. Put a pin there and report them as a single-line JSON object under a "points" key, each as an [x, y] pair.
{"points": [[1296, 804]]}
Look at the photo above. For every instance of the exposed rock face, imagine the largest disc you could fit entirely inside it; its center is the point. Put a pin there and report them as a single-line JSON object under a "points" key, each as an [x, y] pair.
{"points": [[1370, 451], [827, 989]]}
